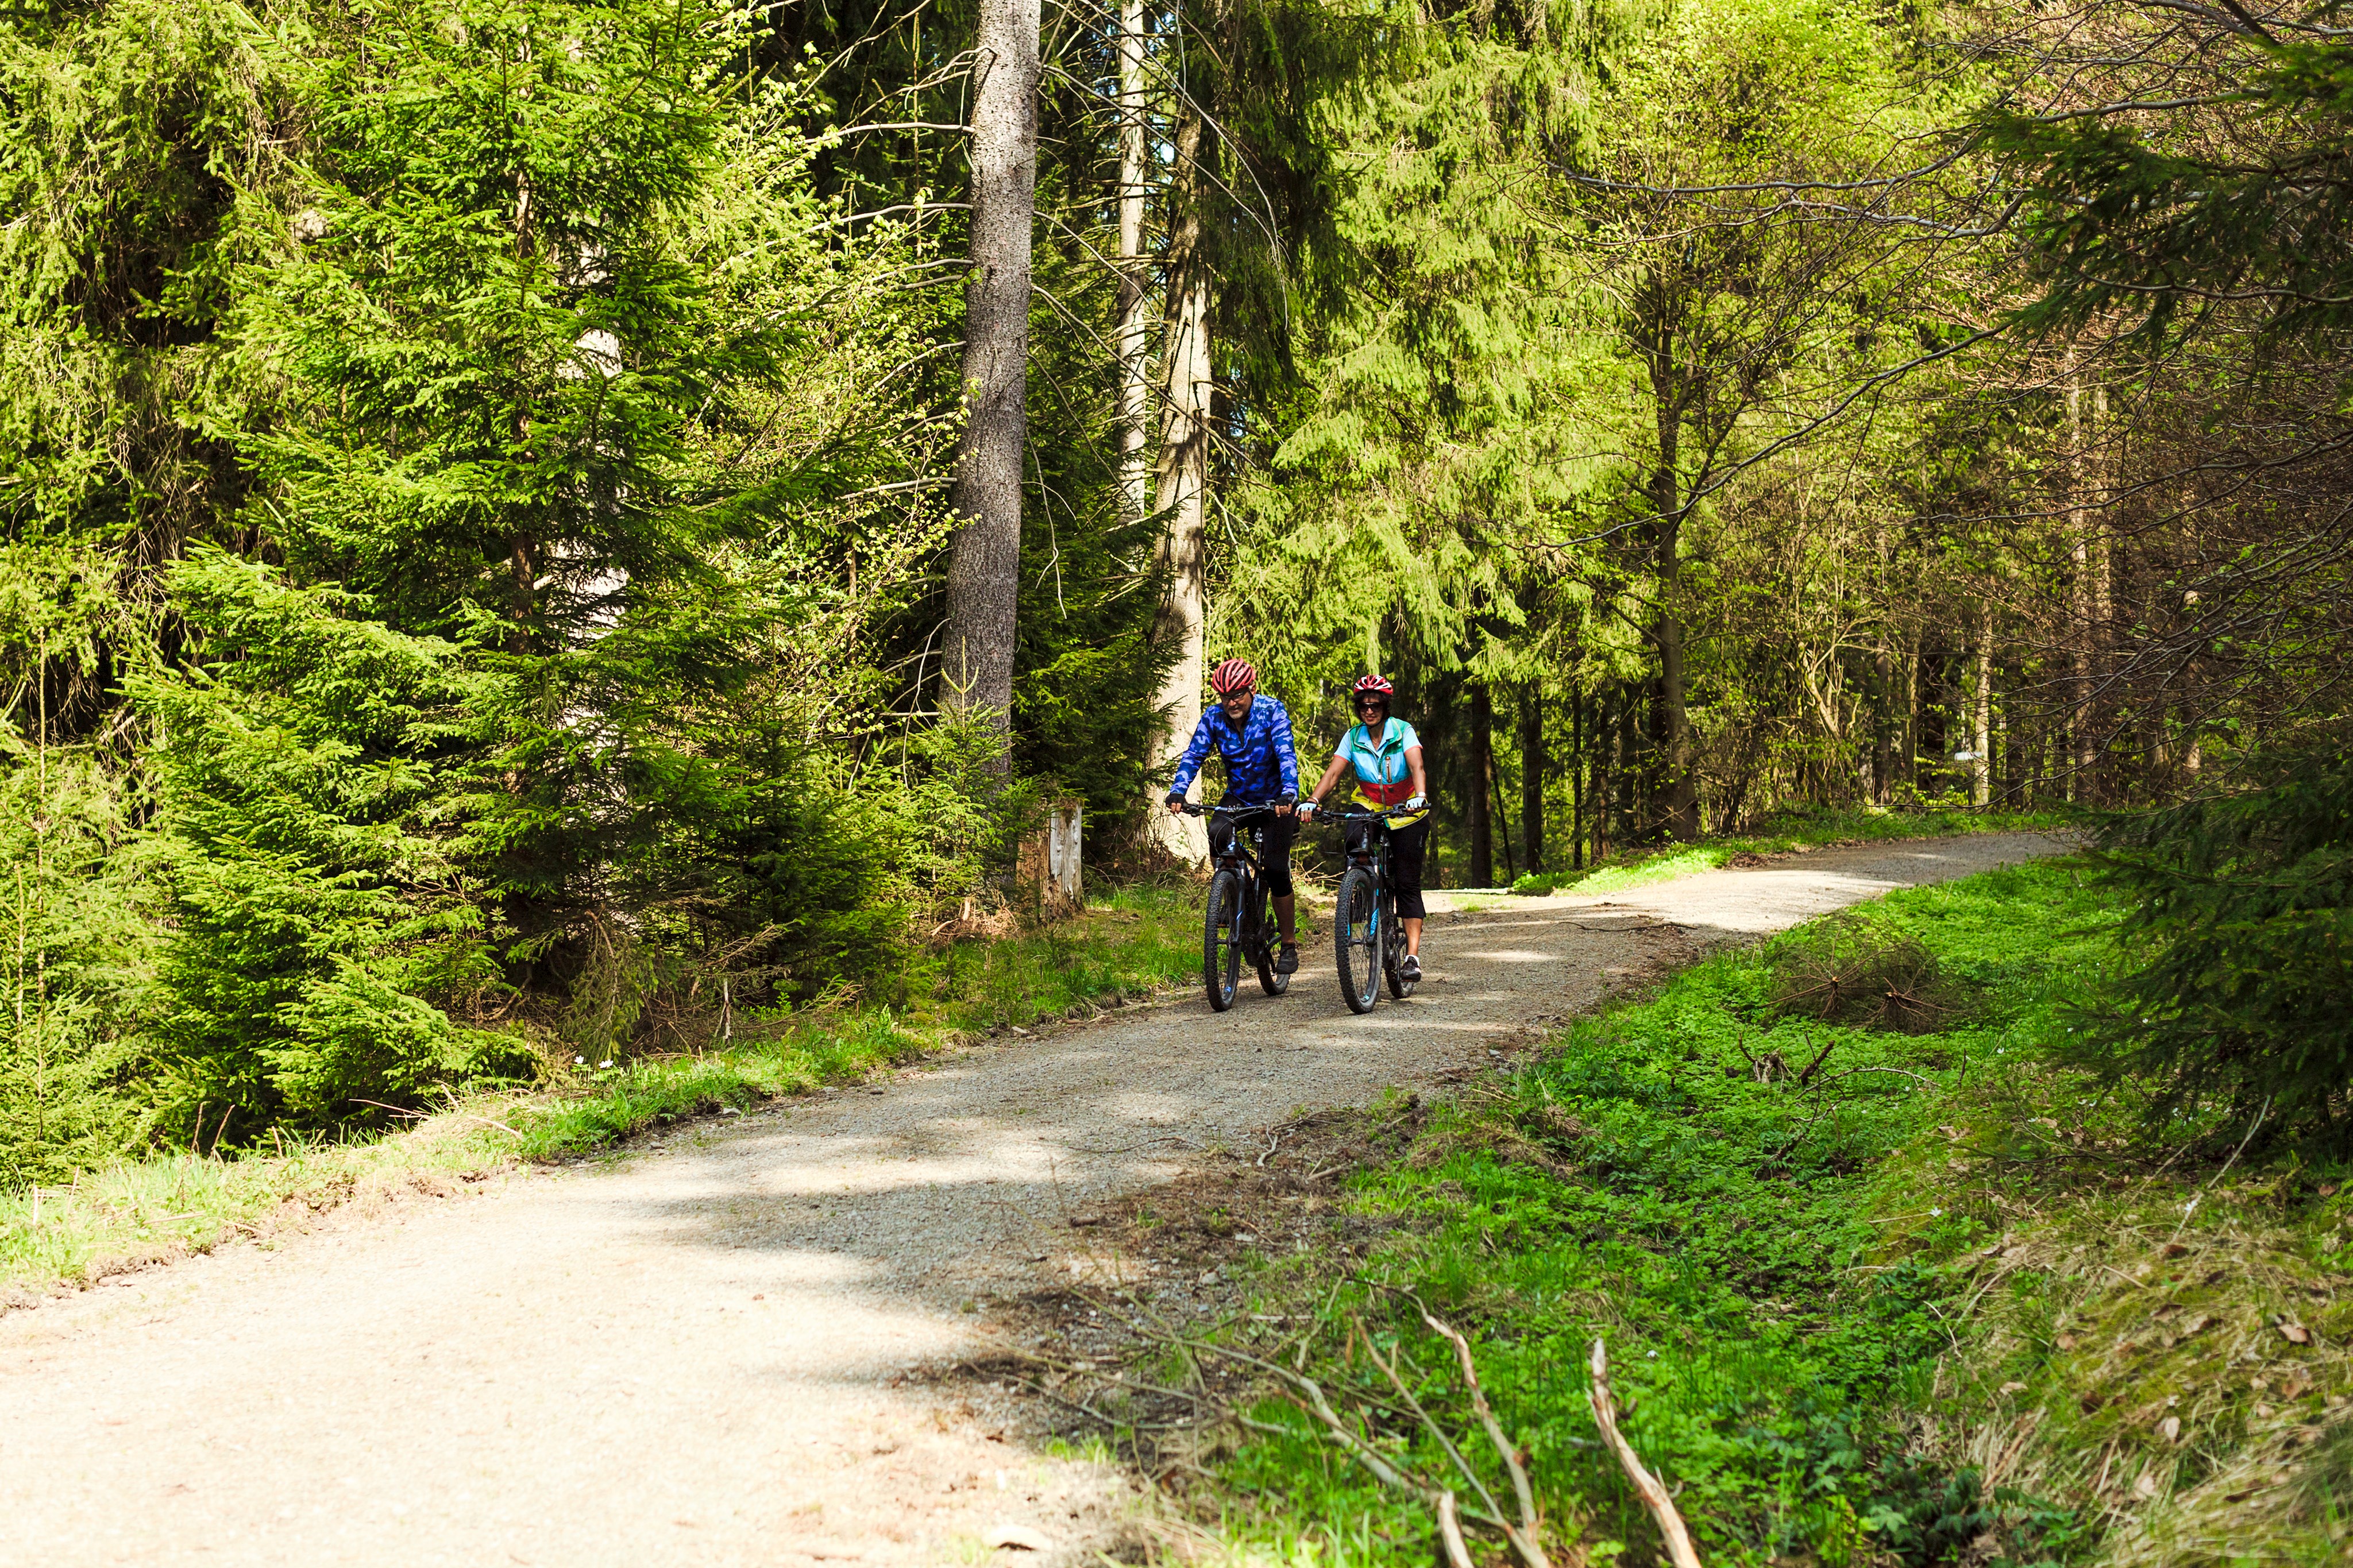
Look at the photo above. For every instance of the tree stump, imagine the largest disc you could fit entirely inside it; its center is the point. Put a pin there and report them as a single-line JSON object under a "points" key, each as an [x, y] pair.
{"points": [[1047, 872]]}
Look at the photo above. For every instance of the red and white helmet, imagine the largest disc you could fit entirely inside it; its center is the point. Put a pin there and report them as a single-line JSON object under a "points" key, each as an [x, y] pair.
{"points": [[1371, 686], [1234, 675]]}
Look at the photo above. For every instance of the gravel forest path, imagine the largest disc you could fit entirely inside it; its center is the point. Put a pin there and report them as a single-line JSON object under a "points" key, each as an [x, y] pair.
{"points": [[698, 1352]]}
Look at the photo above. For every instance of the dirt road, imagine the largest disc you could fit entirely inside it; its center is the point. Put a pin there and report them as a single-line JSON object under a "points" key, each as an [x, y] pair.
{"points": [[695, 1353]]}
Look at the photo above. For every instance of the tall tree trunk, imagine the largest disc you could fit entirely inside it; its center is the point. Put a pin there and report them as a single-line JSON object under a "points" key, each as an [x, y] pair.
{"points": [[1630, 745], [1474, 798], [984, 570], [1981, 715], [1501, 819], [1135, 323], [1676, 801], [1598, 800], [2088, 567], [1576, 780], [1907, 766], [1182, 498], [2016, 754], [1534, 766], [1882, 728]]}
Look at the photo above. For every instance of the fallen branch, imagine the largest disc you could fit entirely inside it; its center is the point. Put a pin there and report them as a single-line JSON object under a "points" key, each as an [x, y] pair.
{"points": [[1450, 1533], [1815, 1066], [1527, 1539], [1647, 1486]]}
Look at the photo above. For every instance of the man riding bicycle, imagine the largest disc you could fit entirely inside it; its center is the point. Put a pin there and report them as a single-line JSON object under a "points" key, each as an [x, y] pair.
{"points": [[1252, 734], [1384, 753]]}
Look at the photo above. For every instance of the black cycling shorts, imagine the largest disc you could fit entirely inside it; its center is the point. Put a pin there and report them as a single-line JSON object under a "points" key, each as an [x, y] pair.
{"points": [[1407, 846], [1273, 850]]}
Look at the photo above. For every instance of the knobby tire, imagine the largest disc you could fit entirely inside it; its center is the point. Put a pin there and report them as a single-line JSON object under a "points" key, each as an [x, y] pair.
{"points": [[1393, 951], [1356, 939], [1221, 944], [1269, 946]]}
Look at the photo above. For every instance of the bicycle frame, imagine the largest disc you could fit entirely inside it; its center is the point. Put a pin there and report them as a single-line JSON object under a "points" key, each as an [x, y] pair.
{"points": [[1384, 934], [1241, 855]]}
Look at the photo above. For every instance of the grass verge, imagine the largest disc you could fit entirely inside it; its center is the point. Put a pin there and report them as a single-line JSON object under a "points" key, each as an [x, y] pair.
{"points": [[1784, 833], [1125, 946], [1927, 1303]]}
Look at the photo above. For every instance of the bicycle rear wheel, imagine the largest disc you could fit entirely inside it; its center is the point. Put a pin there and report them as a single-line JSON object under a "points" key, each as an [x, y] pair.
{"points": [[1221, 940], [1393, 949], [1269, 945], [1356, 940]]}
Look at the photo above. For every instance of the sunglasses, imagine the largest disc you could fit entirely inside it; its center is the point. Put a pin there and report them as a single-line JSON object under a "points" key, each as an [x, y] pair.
{"points": [[1369, 704]]}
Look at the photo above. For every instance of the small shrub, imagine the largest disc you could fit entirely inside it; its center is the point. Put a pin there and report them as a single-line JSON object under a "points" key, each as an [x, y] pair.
{"points": [[2239, 952], [1853, 967]]}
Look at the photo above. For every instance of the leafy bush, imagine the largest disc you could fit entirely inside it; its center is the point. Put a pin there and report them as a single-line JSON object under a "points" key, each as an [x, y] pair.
{"points": [[2239, 954]]}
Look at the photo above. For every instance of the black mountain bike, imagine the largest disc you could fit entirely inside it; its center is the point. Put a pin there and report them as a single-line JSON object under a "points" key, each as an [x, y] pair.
{"points": [[1367, 939], [1241, 919]]}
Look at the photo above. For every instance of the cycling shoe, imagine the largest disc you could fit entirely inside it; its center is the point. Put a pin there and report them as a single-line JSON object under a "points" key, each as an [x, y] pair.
{"points": [[1410, 969], [1287, 961]]}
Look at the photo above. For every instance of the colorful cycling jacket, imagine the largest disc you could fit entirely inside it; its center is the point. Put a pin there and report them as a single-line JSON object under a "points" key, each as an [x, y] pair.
{"points": [[1260, 762], [1383, 779]]}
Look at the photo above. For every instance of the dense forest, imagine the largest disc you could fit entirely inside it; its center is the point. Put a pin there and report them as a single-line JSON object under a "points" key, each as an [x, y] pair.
{"points": [[530, 529]]}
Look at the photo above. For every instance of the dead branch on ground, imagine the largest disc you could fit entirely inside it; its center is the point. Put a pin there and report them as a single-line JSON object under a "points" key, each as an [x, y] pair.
{"points": [[1648, 1486]]}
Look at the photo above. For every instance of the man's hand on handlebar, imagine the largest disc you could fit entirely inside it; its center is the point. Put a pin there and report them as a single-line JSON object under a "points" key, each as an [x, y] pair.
{"points": [[1176, 806]]}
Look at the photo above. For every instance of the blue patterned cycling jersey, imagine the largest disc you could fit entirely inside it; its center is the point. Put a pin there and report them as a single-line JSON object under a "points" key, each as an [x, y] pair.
{"points": [[1260, 762]]}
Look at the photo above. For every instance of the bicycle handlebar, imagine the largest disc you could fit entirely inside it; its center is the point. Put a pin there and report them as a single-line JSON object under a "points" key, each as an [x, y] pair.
{"points": [[1193, 809]]}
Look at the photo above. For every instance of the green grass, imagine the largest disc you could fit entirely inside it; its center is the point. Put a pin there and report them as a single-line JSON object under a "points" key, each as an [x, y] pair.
{"points": [[1127, 944], [1872, 1316], [1805, 828]]}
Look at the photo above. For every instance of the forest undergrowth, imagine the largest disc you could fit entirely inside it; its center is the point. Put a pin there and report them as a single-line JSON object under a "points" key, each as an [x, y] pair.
{"points": [[128, 1213], [1879, 1283]]}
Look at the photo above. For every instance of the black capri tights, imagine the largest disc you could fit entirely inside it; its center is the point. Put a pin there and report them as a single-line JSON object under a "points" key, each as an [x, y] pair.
{"points": [[1407, 846], [1279, 834]]}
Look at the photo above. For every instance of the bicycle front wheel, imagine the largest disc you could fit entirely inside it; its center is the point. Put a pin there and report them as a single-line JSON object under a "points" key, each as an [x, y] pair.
{"points": [[1356, 940], [1221, 940], [1269, 947]]}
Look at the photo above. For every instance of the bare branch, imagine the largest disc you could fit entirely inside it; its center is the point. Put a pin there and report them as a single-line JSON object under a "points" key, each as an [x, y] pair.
{"points": [[1647, 1486]]}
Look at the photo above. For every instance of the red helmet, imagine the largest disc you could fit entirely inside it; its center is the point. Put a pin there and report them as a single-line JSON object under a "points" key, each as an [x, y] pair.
{"points": [[1371, 686], [1234, 675]]}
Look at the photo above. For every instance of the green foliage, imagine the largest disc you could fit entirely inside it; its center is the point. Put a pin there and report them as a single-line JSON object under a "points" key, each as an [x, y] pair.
{"points": [[2238, 956], [310, 902], [76, 952], [1774, 1303], [2138, 217]]}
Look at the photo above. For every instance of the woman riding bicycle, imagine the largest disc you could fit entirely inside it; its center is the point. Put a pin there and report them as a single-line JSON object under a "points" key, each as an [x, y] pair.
{"points": [[1385, 755]]}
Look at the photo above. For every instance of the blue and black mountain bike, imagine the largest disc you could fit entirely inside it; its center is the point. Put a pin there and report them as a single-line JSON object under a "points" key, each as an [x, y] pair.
{"points": [[1367, 939]]}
